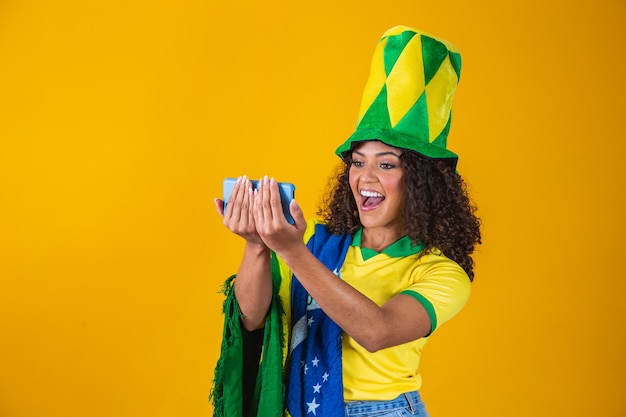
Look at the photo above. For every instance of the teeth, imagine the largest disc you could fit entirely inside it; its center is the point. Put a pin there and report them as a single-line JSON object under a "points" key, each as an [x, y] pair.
{"points": [[370, 194]]}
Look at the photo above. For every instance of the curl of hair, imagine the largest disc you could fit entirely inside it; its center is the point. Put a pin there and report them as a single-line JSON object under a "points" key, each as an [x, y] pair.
{"points": [[437, 210]]}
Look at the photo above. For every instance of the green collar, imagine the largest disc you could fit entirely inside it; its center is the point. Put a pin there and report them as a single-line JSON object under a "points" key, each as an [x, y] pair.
{"points": [[398, 249]]}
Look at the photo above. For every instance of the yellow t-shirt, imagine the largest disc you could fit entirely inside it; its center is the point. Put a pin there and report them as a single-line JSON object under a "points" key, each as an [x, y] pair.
{"points": [[437, 282]]}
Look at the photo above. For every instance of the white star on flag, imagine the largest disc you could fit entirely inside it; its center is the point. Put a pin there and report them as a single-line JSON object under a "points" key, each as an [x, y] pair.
{"points": [[315, 361], [316, 388], [325, 376], [310, 322], [312, 406]]}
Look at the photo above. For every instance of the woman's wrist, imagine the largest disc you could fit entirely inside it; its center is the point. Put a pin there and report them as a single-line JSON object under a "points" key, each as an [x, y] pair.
{"points": [[257, 248], [294, 254]]}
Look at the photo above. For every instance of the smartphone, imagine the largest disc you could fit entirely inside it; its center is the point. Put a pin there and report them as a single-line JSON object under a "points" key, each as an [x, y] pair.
{"points": [[286, 189]]}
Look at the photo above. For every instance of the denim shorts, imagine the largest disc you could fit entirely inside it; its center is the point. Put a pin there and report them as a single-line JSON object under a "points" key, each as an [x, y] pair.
{"points": [[408, 404]]}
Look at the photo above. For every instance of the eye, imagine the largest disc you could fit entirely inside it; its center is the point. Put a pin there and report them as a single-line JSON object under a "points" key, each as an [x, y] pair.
{"points": [[387, 165], [357, 164]]}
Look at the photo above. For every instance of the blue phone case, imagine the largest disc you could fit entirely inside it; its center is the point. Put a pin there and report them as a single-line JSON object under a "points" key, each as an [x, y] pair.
{"points": [[287, 192]]}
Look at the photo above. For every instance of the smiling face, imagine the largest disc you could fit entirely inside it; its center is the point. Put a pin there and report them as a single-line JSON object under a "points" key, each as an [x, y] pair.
{"points": [[376, 183]]}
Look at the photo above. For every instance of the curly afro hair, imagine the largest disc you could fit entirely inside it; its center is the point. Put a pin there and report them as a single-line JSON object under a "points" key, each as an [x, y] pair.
{"points": [[437, 210]]}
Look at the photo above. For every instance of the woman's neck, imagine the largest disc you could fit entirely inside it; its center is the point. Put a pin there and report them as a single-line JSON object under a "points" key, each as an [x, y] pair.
{"points": [[378, 239]]}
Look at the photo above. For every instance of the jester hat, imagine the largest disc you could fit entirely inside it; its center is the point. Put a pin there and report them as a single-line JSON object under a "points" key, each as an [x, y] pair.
{"points": [[407, 101]]}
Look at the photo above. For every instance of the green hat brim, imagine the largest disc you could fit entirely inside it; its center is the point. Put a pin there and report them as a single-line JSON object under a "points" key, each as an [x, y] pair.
{"points": [[396, 139]]}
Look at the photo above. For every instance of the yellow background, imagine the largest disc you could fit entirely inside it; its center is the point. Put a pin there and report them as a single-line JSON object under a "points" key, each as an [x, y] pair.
{"points": [[119, 119]]}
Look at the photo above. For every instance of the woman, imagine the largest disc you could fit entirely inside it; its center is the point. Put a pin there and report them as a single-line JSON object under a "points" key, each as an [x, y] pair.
{"points": [[387, 265]]}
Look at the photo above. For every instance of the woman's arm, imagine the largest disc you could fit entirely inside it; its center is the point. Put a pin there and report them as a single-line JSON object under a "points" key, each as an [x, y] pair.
{"points": [[253, 285], [400, 320]]}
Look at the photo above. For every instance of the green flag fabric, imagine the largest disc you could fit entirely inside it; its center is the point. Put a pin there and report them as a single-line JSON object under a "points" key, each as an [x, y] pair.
{"points": [[248, 378]]}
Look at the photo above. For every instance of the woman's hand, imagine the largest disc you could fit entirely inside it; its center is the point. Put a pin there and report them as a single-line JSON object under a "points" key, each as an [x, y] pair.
{"points": [[239, 216], [271, 225]]}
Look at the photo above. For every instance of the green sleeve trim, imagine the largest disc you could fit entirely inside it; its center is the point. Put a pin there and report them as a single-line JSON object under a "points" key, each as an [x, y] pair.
{"points": [[427, 305]]}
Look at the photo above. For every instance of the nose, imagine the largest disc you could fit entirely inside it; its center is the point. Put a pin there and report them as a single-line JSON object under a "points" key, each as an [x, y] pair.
{"points": [[368, 175]]}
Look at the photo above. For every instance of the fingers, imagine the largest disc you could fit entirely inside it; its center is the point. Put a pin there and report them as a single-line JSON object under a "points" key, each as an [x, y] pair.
{"points": [[267, 204], [259, 195], [238, 214], [271, 224], [248, 204], [219, 206], [233, 206], [297, 214]]}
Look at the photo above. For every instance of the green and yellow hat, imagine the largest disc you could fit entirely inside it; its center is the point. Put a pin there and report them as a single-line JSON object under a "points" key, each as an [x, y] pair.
{"points": [[407, 102]]}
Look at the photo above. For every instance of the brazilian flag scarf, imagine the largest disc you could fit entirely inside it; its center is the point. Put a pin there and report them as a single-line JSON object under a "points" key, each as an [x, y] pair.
{"points": [[248, 374], [248, 380]]}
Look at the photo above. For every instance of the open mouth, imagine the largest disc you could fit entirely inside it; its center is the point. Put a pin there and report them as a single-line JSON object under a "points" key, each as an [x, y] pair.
{"points": [[370, 199]]}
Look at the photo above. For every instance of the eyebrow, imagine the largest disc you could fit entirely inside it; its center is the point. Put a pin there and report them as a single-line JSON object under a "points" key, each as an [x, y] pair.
{"points": [[379, 154]]}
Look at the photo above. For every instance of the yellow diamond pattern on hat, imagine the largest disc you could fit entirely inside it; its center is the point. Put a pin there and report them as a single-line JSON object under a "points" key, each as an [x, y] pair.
{"points": [[439, 96], [407, 101], [403, 91], [376, 81]]}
